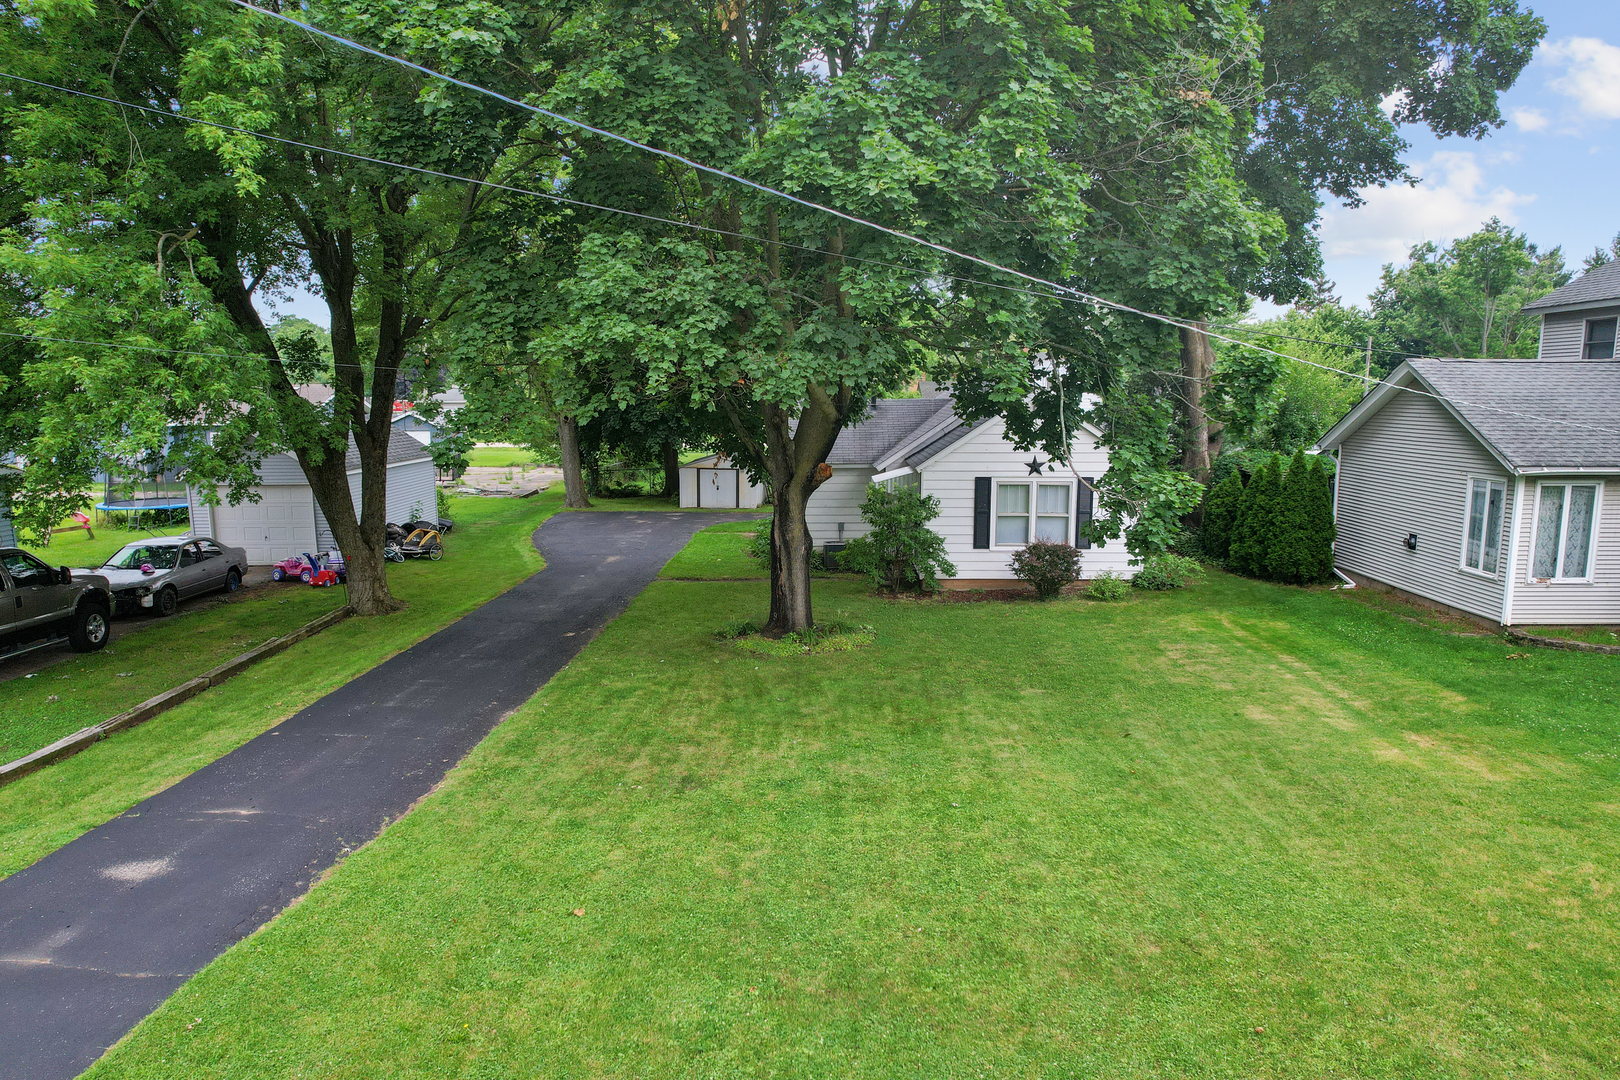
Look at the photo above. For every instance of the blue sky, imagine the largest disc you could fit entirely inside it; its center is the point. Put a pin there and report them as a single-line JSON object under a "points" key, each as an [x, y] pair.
{"points": [[1552, 171]]}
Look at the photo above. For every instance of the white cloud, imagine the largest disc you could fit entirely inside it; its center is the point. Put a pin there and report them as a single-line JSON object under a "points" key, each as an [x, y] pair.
{"points": [[1591, 74], [1529, 119], [1451, 201]]}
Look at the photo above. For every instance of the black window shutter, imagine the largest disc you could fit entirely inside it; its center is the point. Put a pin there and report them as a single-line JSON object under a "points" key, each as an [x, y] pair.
{"points": [[1082, 511], [981, 511]]}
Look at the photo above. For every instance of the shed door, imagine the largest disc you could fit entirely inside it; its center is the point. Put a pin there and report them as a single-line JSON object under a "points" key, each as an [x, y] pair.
{"points": [[280, 525], [717, 488]]}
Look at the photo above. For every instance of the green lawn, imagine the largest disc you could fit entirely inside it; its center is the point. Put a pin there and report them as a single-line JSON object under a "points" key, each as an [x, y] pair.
{"points": [[500, 457], [720, 551], [152, 658], [78, 549], [1240, 831], [1596, 635], [489, 552]]}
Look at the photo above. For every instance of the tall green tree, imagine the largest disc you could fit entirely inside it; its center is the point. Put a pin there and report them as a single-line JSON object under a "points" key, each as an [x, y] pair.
{"points": [[1466, 299], [1024, 132], [1220, 516], [153, 232]]}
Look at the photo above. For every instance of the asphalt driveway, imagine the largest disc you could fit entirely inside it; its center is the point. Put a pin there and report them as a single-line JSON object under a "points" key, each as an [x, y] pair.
{"points": [[97, 934]]}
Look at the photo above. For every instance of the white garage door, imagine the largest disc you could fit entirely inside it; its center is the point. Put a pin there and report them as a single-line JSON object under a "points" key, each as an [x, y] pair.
{"points": [[718, 488], [280, 525]]}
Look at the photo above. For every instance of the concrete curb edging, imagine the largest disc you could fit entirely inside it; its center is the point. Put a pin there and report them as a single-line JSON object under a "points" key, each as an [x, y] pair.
{"points": [[153, 706], [1561, 643]]}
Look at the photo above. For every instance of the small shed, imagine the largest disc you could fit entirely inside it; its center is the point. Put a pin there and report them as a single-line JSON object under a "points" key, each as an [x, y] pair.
{"points": [[717, 483], [286, 521]]}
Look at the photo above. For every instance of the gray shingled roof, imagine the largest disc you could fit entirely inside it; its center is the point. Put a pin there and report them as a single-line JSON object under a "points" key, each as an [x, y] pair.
{"points": [[1536, 413], [401, 447], [892, 420], [917, 457], [1596, 286]]}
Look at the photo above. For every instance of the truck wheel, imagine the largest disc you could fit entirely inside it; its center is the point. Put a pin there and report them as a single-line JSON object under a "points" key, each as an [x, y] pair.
{"points": [[233, 580], [90, 629], [168, 602]]}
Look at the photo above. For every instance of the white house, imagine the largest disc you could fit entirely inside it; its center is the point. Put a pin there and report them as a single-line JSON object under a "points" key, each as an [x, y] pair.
{"points": [[993, 497], [715, 483], [286, 521]]}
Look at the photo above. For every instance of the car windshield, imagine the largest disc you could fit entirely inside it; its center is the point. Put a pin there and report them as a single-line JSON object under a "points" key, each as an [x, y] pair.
{"points": [[134, 556]]}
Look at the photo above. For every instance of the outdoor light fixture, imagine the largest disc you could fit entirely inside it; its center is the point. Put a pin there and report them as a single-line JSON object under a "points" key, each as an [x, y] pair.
{"points": [[1411, 541]]}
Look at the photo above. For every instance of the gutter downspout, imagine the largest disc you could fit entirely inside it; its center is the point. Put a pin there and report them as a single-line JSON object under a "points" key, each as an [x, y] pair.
{"points": [[1513, 550], [1338, 467]]}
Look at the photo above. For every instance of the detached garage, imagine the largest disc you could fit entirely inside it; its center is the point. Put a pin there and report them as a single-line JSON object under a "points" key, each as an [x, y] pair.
{"points": [[716, 483], [286, 521]]}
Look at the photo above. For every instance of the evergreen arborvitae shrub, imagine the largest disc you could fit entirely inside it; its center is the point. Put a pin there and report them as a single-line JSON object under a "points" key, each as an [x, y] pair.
{"points": [[1220, 515], [1291, 557], [1253, 532], [1322, 529]]}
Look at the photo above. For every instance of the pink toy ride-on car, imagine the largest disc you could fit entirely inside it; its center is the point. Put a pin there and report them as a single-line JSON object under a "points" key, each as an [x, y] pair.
{"points": [[299, 567]]}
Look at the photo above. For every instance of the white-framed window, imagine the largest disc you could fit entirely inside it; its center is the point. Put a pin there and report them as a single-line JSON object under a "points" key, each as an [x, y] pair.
{"points": [[1564, 532], [911, 481], [1482, 531], [1033, 510], [1599, 343]]}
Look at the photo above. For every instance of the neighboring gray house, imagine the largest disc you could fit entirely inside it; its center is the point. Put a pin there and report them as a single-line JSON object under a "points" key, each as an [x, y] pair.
{"points": [[286, 520], [416, 426], [1578, 321], [1494, 488], [8, 537]]}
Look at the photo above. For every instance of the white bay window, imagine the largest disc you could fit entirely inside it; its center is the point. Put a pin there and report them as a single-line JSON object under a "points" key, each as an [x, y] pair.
{"points": [[1564, 531]]}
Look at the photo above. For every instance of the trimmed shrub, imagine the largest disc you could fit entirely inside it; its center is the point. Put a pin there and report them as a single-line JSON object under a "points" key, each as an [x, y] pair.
{"points": [[900, 553], [1321, 529], [1108, 587], [1048, 566], [1256, 524], [1290, 556], [1162, 572], [1220, 514]]}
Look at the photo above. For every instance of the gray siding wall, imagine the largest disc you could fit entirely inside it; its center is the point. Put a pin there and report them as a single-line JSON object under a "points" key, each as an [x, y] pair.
{"points": [[1406, 471], [202, 515], [1597, 601], [8, 538], [410, 488], [1563, 334]]}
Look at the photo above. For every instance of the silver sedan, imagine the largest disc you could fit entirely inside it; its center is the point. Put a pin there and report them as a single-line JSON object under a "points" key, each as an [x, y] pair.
{"points": [[157, 573]]}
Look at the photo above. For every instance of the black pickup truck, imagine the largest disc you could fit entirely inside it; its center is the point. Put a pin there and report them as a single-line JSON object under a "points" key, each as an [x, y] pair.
{"points": [[39, 605]]}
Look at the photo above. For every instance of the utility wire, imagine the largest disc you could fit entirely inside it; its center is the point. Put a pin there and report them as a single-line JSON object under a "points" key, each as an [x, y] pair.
{"points": [[1249, 328], [1052, 290], [810, 204]]}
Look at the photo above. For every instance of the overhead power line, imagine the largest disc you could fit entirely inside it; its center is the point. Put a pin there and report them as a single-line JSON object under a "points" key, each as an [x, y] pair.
{"points": [[1052, 290]]}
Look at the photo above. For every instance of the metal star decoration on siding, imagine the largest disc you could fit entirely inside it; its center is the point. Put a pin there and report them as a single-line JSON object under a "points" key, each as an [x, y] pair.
{"points": [[1035, 465]]}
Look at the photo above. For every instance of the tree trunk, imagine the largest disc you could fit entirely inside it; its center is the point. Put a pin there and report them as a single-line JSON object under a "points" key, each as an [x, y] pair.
{"points": [[791, 545], [573, 479], [672, 471], [1201, 437], [795, 456]]}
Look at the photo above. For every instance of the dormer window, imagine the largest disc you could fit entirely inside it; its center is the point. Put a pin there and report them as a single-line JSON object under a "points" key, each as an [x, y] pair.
{"points": [[1599, 340]]}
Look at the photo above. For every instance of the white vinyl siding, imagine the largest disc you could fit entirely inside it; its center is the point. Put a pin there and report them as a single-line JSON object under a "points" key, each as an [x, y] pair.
{"points": [[1595, 600], [1407, 470], [201, 514], [984, 452], [838, 500], [1563, 334]]}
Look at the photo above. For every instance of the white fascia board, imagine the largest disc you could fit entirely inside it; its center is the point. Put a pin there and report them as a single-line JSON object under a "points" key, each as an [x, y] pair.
{"points": [[919, 438], [904, 470], [1559, 470]]}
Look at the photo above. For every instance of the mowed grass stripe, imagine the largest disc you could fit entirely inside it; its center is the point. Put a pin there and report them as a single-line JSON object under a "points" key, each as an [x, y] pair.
{"points": [[1008, 839]]}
